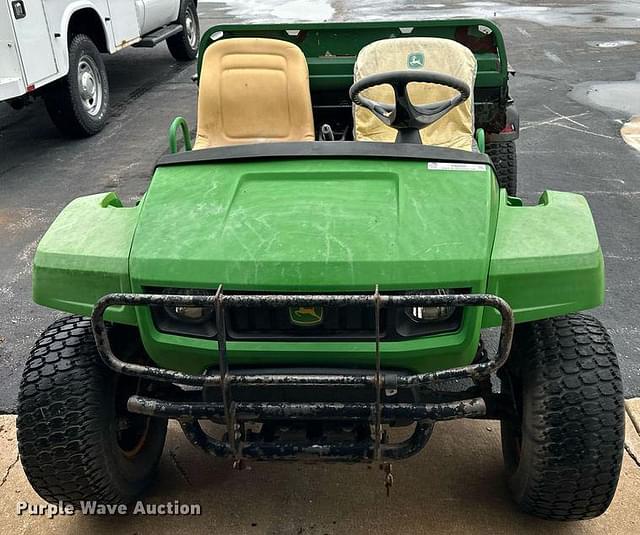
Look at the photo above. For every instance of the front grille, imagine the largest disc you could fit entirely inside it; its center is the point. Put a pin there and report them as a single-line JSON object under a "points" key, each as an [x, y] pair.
{"points": [[338, 323], [343, 323]]}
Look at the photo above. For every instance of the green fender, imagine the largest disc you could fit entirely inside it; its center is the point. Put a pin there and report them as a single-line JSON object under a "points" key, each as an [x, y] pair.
{"points": [[546, 259]]}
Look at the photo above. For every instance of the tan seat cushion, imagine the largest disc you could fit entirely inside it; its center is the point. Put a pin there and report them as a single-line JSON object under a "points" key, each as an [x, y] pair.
{"points": [[456, 128], [251, 91]]}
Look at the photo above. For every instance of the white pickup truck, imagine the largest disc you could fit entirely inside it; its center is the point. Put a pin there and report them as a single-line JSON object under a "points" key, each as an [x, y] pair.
{"points": [[52, 48]]}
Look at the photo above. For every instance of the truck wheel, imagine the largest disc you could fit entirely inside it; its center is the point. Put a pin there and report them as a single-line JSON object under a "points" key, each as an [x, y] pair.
{"points": [[563, 448], [184, 45], [504, 159], [75, 437], [79, 103]]}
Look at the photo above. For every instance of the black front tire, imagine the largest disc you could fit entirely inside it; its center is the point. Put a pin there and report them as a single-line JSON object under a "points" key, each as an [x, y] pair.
{"points": [[503, 156], [78, 104], [76, 440], [563, 449], [184, 45]]}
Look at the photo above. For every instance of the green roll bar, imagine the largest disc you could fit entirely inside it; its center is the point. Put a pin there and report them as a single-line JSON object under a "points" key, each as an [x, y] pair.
{"points": [[480, 139], [186, 136]]}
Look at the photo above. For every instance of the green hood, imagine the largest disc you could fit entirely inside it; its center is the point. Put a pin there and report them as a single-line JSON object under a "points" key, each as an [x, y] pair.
{"points": [[315, 225]]}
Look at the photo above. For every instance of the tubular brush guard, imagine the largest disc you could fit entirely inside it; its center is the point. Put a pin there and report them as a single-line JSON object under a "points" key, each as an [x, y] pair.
{"points": [[233, 412]]}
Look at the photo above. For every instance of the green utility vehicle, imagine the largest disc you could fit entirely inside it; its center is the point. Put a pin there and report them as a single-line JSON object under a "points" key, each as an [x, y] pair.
{"points": [[316, 268]]}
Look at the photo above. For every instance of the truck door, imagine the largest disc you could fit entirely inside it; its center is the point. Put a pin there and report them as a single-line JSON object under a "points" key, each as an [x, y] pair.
{"points": [[124, 22], [33, 39], [156, 13]]}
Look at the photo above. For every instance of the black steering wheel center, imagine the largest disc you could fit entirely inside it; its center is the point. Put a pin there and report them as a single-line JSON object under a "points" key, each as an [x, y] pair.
{"points": [[408, 118]]}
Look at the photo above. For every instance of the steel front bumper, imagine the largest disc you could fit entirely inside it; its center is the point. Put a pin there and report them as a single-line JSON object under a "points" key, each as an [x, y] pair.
{"points": [[235, 413]]}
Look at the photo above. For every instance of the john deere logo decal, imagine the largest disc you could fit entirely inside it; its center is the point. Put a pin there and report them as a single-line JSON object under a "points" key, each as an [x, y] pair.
{"points": [[305, 316], [415, 60]]}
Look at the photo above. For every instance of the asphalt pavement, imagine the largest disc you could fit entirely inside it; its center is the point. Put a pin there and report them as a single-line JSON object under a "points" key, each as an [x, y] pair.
{"points": [[565, 144]]}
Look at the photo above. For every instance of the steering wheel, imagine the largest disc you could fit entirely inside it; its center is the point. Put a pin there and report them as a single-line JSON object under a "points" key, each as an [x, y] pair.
{"points": [[408, 118]]}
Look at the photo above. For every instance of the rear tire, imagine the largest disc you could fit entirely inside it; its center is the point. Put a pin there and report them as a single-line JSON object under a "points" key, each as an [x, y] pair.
{"points": [[504, 159], [78, 104], [184, 45], [76, 440], [563, 451]]}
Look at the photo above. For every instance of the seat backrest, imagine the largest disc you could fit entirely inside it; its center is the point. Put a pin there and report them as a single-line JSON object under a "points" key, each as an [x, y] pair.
{"points": [[456, 128], [251, 91]]}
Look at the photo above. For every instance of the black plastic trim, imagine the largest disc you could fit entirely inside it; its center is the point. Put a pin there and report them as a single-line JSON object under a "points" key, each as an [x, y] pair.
{"points": [[395, 325], [324, 149]]}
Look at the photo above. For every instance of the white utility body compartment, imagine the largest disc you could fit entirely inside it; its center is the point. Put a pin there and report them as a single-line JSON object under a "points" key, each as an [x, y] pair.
{"points": [[63, 41], [26, 52]]}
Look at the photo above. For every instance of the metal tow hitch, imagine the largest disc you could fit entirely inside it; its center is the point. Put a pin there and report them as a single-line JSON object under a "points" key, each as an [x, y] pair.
{"points": [[388, 478]]}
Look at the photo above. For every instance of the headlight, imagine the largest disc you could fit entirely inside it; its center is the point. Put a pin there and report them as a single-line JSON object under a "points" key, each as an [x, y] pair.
{"points": [[188, 313], [429, 314]]}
